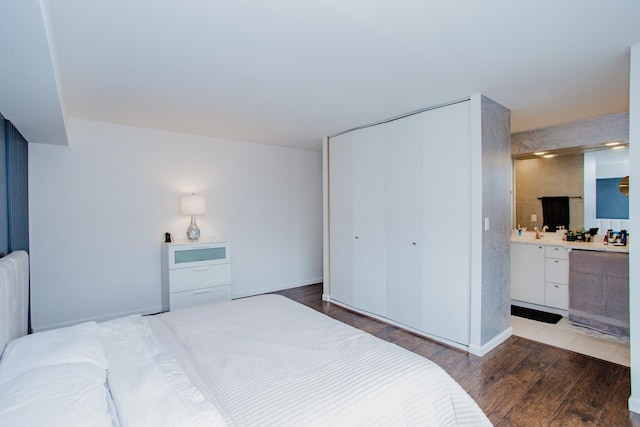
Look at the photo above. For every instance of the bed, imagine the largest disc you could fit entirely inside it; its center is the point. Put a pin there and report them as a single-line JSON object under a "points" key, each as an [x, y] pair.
{"points": [[263, 360]]}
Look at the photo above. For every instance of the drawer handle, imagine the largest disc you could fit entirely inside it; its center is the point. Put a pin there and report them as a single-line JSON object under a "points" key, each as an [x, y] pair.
{"points": [[201, 269], [203, 291], [556, 261]]}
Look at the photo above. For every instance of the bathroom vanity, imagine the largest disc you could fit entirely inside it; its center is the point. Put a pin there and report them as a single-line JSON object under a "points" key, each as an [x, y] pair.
{"points": [[547, 276]]}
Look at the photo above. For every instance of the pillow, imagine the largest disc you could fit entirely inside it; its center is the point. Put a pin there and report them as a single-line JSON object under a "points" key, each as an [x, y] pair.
{"points": [[79, 343], [68, 394]]}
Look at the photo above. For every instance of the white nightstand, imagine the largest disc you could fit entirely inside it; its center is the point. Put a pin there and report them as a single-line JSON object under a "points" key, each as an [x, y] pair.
{"points": [[194, 273]]}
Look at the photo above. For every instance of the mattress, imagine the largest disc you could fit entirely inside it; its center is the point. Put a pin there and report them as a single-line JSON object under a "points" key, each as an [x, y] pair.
{"points": [[259, 361], [267, 360]]}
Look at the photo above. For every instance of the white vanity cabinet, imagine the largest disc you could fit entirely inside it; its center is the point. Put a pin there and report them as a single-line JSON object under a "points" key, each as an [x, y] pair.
{"points": [[556, 277], [195, 273], [540, 275], [528, 273]]}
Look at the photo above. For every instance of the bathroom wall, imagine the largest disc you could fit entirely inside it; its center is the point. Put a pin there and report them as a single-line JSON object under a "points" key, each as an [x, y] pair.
{"points": [[557, 176]]}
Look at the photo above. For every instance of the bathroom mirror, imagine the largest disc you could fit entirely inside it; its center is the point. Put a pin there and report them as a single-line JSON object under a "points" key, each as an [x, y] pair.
{"points": [[572, 173], [624, 185]]}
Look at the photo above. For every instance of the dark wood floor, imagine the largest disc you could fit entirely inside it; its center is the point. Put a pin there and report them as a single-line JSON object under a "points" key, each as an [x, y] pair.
{"points": [[520, 383]]}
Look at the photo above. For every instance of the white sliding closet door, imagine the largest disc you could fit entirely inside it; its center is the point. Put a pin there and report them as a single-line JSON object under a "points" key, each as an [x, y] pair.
{"points": [[356, 209], [341, 234], [369, 220], [446, 206], [403, 155]]}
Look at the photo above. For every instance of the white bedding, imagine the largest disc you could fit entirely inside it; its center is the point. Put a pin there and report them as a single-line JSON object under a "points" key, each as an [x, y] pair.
{"points": [[259, 361], [147, 385], [267, 360]]}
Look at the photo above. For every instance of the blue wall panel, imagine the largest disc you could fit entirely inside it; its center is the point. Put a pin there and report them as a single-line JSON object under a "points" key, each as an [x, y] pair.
{"points": [[17, 188], [4, 216], [610, 202]]}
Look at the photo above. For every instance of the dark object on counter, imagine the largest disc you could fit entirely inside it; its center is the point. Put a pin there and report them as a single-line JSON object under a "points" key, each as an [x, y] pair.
{"points": [[540, 316], [623, 237], [571, 237], [593, 231], [555, 212]]}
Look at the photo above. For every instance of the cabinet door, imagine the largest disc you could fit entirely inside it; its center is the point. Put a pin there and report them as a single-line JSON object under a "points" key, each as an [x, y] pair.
{"points": [[403, 157], [341, 234], [527, 273], [446, 207], [369, 220]]}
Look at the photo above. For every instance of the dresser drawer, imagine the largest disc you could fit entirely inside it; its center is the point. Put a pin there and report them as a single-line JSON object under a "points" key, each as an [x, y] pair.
{"points": [[198, 254], [201, 296], [185, 279]]}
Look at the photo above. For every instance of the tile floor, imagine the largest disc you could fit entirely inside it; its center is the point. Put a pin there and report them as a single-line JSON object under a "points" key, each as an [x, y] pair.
{"points": [[574, 338]]}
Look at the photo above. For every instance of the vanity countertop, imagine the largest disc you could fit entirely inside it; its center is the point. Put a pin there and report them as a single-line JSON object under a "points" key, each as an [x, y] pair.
{"points": [[592, 246]]}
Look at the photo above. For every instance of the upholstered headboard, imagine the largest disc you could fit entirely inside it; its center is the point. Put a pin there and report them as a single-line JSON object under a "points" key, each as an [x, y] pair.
{"points": [[14, 296]]}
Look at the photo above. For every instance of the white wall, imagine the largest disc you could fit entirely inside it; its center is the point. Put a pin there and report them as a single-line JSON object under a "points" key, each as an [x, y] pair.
{"points": [[99, 207]]}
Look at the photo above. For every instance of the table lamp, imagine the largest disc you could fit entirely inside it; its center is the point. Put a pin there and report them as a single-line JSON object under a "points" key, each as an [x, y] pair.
{"points": [[193, 205]]}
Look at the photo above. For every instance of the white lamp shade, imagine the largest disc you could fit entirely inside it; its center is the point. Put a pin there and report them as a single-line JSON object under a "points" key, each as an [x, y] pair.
{"points": [[193, 205]]}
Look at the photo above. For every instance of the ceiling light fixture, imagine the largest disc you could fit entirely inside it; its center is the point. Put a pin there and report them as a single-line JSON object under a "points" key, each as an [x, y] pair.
{"points": [[612, 144], [540, 153], [548, 156], [617, 147]]}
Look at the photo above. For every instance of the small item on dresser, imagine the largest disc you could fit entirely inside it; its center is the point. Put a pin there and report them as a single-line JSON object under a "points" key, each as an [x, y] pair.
{"points": [[623, 237], [605, 240], [168, 238]]}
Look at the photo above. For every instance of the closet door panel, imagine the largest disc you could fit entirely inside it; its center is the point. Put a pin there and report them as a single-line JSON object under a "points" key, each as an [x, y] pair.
{"points": [[446, 183], [341, 213], [403, 156], [369, 220]]}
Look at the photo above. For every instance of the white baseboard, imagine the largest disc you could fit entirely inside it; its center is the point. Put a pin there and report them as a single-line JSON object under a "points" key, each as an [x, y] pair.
{"points": [[634, 404], [493, 343]]}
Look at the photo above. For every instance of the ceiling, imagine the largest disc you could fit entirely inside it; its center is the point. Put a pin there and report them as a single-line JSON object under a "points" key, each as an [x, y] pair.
{"points": [[290, 72]]}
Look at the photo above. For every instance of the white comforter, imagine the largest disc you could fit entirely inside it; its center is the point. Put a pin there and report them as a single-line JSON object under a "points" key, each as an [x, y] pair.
{"points": [[267, 360]]}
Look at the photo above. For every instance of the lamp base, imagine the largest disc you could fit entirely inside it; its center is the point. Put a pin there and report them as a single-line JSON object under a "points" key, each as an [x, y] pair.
{"points": [[193, 232]]}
